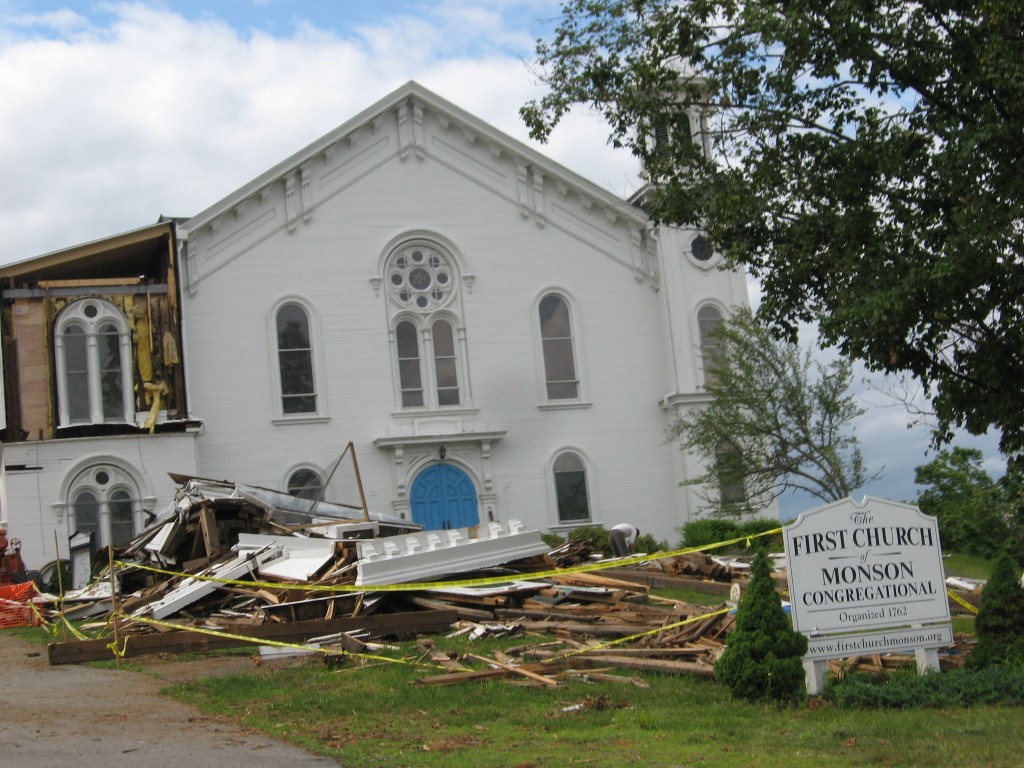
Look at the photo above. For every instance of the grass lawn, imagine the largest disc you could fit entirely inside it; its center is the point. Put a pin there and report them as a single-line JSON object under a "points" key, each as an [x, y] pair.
{"points": [[967, 566], [378, 716]]}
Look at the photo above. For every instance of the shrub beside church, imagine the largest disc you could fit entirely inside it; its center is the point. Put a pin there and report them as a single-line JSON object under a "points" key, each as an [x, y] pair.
{"points": [[1000, 621], [763, 657]]}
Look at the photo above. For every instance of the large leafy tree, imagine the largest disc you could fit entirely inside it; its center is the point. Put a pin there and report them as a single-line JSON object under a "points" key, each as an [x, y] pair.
{"points": [[777, 421], [864, 161], [976, 514]]}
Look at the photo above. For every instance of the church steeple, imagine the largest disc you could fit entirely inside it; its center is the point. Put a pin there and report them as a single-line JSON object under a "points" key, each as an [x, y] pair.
{"points": [[680, 117]]}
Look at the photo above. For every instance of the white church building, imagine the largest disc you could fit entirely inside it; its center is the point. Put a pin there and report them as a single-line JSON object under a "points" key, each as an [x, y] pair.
{"points": [[497, 337]]}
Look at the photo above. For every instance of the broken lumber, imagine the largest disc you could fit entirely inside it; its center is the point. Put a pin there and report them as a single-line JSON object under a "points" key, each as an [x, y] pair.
{"points": [[185, 641]]}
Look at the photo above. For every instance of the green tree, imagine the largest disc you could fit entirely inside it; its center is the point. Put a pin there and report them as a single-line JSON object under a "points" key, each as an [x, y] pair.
{"points": [[1000, 621], [1011, 488], [763, 654], [861, 159], [973, 511], [778, 422]]}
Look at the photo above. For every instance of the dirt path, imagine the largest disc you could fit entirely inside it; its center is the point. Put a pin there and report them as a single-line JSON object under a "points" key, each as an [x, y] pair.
{"points": [[75, 714]]}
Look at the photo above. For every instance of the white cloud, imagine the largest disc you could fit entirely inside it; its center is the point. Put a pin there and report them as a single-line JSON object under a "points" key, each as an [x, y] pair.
{"points": [[106, 127]]}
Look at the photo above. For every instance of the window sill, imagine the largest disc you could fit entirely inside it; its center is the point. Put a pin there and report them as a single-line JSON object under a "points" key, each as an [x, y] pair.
{"points": [[568, 405], [300, 419], [418, 413]]}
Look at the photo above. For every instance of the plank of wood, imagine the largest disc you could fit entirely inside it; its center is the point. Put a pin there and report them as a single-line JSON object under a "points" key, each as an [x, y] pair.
{"points": [[598, 580], [519, 670], [656, 579], [665, 666], [184, 641], [211, 533], [471, 614], [439, 657], [455, 678]]}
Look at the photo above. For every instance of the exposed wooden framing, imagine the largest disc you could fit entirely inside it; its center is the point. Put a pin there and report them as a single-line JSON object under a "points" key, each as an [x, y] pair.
{"points": [[211, 534]]}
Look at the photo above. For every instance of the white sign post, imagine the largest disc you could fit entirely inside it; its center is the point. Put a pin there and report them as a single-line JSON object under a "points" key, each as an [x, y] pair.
{"points": [[867, 578]]}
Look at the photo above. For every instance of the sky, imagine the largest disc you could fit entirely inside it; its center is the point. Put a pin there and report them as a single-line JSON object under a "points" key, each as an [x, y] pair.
{"points": [[114, 113]]}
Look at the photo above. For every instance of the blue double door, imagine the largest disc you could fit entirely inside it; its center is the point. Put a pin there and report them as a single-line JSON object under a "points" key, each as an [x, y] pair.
{"points": [[444, 497]]}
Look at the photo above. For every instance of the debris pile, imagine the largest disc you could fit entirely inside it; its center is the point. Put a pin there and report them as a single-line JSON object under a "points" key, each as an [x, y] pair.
{"points": [[228, 563]]}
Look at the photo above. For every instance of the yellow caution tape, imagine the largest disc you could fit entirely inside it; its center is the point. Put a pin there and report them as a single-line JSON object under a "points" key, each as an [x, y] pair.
{"points": [[478, 582], [112, 645], [956, 598]]}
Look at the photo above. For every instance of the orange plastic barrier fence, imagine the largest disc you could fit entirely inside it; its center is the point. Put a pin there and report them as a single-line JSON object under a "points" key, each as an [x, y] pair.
{"points": [[16, 609]]}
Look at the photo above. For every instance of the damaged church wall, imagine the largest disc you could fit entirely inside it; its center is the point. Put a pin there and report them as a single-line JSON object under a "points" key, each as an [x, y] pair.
{"points": [[58, 428]]}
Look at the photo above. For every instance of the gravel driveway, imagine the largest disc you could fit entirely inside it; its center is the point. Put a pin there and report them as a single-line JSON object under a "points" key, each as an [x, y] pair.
{"points": [[74, 714]]}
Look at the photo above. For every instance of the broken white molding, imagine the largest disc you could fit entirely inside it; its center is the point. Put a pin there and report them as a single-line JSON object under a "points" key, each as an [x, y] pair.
{"points": [[417, 556], [333, 530], [968, 585], [298, 559], [190, 590]]}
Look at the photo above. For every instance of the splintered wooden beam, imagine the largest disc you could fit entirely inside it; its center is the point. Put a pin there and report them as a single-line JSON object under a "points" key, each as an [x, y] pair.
{"points": [[211, 534], [665, 666], [518, 670], [184, 641], [455, 678]]}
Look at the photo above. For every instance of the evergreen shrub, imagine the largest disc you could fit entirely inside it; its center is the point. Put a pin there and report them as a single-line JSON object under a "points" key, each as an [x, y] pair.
{"points": [[905, 689], [999, 624], [763, 655]]}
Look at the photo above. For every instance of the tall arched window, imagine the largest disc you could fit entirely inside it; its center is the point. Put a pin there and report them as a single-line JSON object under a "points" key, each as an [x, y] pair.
{"points": [[410, 378], [560, 375], [295, 360], [729, 468], [709, 320], [571, 489], [445, 363], [122, 518], [87, 515], [93, 360]]}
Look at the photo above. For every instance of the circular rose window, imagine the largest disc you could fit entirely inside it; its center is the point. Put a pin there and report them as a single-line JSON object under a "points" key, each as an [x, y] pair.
{"points": [[420, 278]]}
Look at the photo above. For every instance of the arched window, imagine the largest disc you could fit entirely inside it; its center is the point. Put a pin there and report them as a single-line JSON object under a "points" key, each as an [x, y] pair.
{"points": [[709, 320], [445, 363], [305, 483], [410, 378], [295, 360], [87, 515], [428, 342], [93, 360], [729, 468], [103, 502], [122, 522], [560, 376], [571, 489]]}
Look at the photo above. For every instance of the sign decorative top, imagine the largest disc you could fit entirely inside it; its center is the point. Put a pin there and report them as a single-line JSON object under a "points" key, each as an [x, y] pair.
{"points": [[857, 566]]}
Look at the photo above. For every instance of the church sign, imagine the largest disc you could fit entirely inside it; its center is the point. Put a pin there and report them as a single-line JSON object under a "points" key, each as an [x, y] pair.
{"points": [[866, 572]]}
